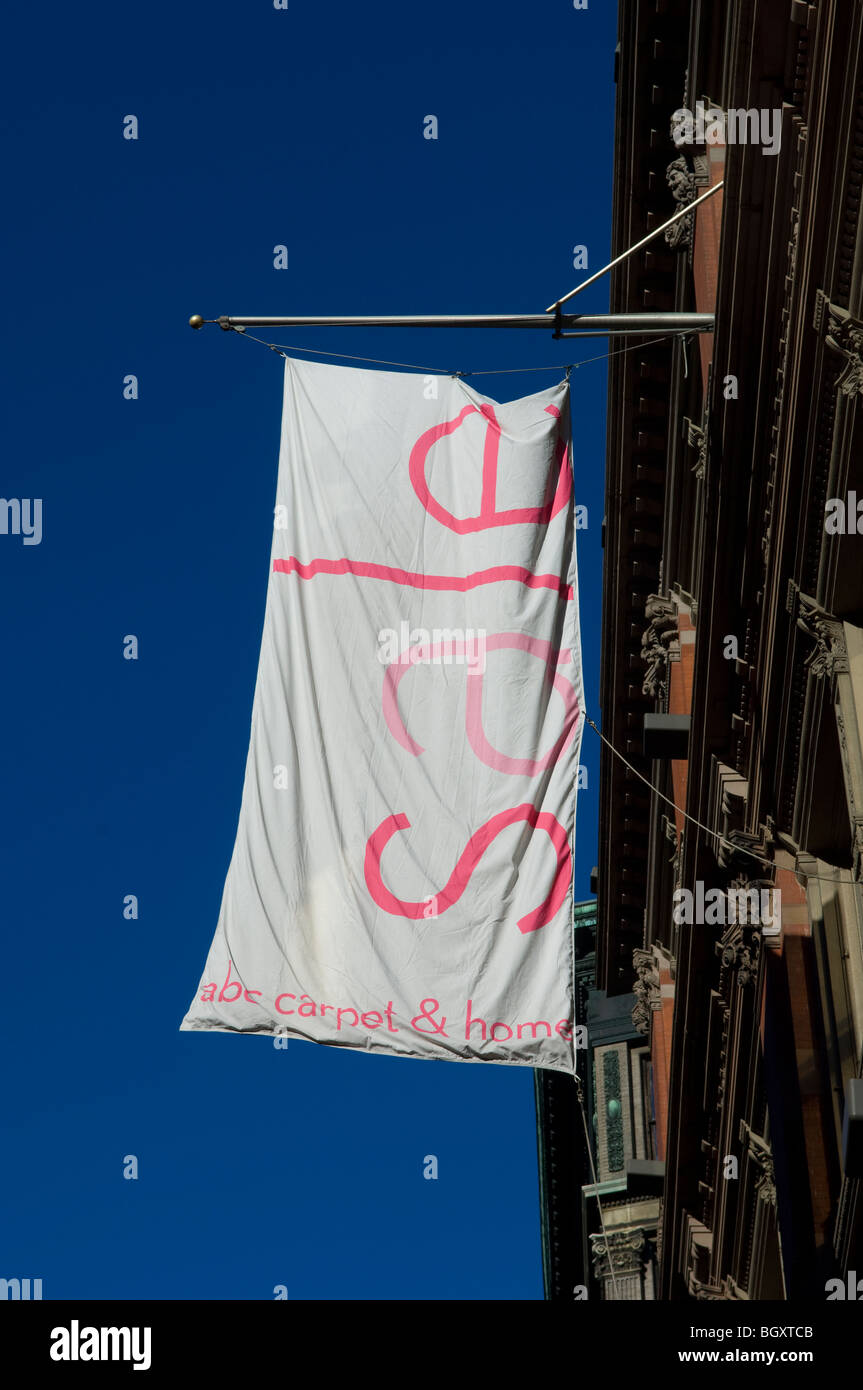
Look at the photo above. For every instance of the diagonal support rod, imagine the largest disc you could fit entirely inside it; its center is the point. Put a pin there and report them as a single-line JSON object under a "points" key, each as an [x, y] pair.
{"points": [[681, 212]]}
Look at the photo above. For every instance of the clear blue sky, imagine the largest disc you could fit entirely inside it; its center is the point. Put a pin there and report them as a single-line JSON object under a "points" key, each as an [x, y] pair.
{"points": [[256, 127]]}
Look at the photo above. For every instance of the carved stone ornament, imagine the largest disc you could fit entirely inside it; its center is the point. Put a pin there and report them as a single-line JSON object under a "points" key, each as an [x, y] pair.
{"points": [[623, 1251], [739, 952], [830, 653], [645, 967], [761, 1155], [738, 848], [656, 640], [641, 1014], [696, 438], [646, 989], [842, 334], [669, 830], [681, 180]]}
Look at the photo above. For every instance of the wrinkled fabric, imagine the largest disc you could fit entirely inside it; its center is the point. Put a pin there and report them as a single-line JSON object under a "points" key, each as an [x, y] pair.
{"points": [[401, 880]]}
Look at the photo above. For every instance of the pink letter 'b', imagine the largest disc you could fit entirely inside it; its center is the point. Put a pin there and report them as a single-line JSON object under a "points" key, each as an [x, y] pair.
{"points": [[473, 852]]}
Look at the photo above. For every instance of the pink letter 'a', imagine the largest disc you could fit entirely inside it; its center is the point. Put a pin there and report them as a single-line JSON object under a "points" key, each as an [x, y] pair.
{"points": [[492, 757], [488, 516], [473, 852]]}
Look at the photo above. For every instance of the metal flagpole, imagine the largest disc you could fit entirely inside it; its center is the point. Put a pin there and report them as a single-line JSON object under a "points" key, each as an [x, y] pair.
{"points": [[581, 325]]}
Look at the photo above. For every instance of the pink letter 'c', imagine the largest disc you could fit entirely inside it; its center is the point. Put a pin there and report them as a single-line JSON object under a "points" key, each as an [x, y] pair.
{"points": [[501, 762]]}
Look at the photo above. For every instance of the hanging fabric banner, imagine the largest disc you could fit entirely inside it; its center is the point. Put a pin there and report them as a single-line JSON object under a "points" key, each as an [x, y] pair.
{"points": [[401, 880]]}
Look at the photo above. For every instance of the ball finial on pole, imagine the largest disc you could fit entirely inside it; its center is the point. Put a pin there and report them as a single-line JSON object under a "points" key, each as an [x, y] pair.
{"points": [[196, 321]]}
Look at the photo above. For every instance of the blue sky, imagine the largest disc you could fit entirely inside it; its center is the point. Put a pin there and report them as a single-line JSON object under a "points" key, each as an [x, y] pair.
{"points": [[257, 127]]}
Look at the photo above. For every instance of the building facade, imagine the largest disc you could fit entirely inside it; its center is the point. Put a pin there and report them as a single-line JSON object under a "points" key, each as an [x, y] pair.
{"points": [[599, 1169], [730, 883]]}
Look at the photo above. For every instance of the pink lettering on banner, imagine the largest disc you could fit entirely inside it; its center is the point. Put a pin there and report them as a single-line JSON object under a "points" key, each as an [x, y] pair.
{"points": [[442, 583], [473, 852], [554, 492], [472, 1020], [234, 984], [492, 757], [238, 986], [428, 1009], [488, 516]]}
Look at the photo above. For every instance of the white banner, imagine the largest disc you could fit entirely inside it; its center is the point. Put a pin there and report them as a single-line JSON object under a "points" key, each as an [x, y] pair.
{"points": [[401, 880]]}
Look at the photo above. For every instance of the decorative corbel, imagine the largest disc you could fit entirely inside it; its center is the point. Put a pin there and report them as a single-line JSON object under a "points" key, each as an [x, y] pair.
{"points": [[843, 334], [830, 654], [656, 642], [696, 438], [682, 182], [761, 1154]]}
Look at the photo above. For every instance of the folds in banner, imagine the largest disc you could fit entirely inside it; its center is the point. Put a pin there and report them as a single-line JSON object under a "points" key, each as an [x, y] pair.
{"points": [[401, 880]]}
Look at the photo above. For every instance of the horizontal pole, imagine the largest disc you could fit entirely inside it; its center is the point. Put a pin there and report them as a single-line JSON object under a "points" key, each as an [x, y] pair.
{"points": [[587, 325], [632, 325]]}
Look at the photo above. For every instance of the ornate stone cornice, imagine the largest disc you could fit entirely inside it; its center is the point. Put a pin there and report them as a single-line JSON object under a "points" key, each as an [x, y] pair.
{"points": [[843, 334]]}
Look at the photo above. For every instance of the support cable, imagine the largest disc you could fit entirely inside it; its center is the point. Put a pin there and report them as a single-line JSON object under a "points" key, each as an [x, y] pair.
{"points": [[714, 834], [282, 350]]}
